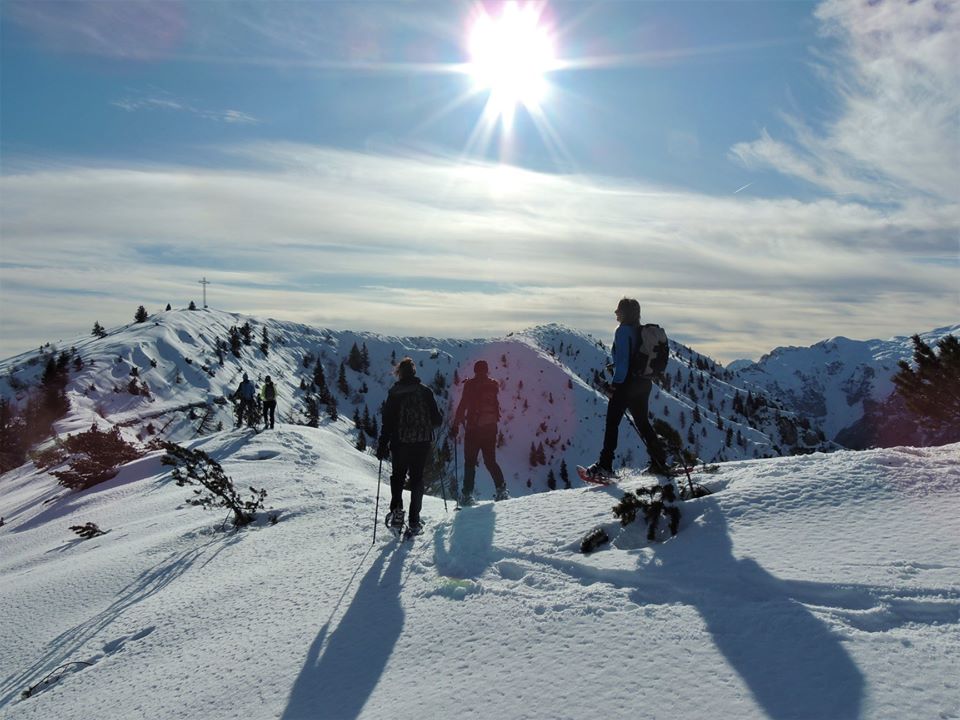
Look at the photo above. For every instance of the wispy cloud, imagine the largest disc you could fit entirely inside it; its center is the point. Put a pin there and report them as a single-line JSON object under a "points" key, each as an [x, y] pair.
{"points": [[165, 102], [128, 29], [895, 75], [428, 245]]}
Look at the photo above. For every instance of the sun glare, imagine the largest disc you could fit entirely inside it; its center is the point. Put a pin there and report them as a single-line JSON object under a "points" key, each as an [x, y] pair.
{"points": [[509, 57]]}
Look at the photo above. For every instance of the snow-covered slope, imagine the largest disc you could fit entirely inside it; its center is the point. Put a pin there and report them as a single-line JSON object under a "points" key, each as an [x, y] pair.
{"points": [[182, 368], [821, 586], [837, 381]]}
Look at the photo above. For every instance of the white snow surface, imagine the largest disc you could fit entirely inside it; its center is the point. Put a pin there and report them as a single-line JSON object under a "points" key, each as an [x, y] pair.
{"points": [[819, 586]]}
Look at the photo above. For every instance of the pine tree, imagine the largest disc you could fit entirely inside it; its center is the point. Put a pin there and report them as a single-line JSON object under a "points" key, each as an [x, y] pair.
{"points": [[141, 314], [13, 437], [247, 333], [354, 359], [932, 389], [98, 330], [54, 403], [541, 455], [320, 381], [366, 420], [168, 308], [342, 385], [564, 474], [361, 441], [95, 456], [235, 340], [264, 340], [312, 411], [192, 305], [365, 359], [332, 407], [551, 480]]}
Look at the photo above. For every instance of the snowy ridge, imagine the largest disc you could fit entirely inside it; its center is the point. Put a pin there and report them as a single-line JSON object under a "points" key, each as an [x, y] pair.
{"points": [[804, 587], [552, 411], [837, 381]]}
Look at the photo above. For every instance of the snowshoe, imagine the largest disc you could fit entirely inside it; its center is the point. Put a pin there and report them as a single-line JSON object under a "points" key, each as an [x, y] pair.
{"points": [[596, 474], [466, 500], [501, 494], [394, 521], [412, 531]]}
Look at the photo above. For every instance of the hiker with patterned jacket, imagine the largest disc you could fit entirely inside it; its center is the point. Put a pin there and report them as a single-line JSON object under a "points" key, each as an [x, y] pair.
{"points": [[410, 415]]}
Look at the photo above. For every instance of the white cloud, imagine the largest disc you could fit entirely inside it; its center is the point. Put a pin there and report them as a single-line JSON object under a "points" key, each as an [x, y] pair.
{"points": [[165, 101], [429, 246], [896, 77]]}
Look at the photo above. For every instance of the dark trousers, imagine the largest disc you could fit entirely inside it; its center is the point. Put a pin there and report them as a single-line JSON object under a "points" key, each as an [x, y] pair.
{"points": [[635, 397], [408, 458], [476, 441], [246, 412], [269, 408]]}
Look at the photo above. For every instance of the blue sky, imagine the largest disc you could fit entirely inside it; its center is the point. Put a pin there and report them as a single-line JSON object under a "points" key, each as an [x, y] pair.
{"points": [[755, 173]]}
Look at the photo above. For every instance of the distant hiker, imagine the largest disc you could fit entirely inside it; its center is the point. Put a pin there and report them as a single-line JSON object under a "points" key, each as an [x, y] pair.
{"points": [[245, 394], [479, 411], [268, 393], [409, 416], [630, 391]]}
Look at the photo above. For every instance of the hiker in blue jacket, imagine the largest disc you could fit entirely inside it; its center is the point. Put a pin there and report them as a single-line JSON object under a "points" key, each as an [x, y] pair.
{"points": [[245, 394], [628, 392]]}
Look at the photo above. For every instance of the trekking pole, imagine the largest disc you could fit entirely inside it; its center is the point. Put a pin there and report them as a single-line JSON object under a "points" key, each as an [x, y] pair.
{"points": [[456, 470], [676, 451], [443, 489], [376, 508]]}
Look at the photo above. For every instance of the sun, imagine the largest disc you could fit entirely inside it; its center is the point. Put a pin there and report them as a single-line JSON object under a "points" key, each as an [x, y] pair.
{"points": [[510, 55]]}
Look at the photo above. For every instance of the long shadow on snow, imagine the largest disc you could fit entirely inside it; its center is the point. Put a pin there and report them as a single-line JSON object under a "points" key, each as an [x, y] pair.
{"points": [[791, 662], [471, 544], [339, 675]]}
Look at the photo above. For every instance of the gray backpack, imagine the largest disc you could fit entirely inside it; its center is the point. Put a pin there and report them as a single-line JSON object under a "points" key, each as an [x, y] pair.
{"points": [[651, 353]]}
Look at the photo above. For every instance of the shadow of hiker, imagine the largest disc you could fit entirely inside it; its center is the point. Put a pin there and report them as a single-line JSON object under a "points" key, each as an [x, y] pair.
{"points": [[471, 543], [790, 661], [339, 675]]}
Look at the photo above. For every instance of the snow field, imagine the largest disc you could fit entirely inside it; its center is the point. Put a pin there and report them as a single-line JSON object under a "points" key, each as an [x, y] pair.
{"points": [[822, 586]]}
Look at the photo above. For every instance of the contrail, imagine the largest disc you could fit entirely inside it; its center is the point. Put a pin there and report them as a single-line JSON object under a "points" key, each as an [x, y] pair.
{"points": [[743, 188]]}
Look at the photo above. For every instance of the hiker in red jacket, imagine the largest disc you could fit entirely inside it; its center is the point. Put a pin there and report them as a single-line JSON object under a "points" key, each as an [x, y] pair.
{"points": [[479, 412]]}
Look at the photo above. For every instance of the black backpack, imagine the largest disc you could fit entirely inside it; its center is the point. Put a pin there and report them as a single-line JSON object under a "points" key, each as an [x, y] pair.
{"points": [[651, 353], [414, 421]]}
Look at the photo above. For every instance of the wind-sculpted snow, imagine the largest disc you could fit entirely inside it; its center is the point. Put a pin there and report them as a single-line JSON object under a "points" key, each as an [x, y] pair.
{"points": [[822, 586]]}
